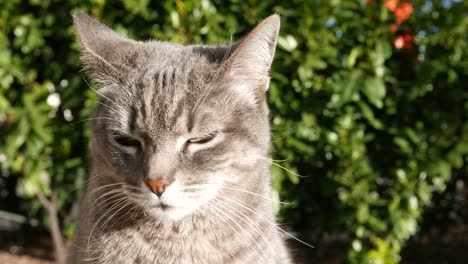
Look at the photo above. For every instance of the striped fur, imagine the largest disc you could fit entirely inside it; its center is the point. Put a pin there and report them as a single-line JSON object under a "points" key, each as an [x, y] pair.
{"points": [[192, 115]]}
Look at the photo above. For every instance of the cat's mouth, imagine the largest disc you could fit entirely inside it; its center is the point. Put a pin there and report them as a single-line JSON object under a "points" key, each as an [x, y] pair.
{"points": [[164, 206]]}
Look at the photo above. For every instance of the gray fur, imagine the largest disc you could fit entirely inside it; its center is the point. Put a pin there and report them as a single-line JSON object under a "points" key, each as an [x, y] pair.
{"points": [[159, 95]]}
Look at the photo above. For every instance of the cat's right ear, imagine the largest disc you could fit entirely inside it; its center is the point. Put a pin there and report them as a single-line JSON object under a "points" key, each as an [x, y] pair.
{"points": [[105, 55], [247, 69]]}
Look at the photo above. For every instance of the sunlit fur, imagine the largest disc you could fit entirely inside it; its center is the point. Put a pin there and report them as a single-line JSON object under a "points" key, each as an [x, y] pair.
{"points": [[163, 96]]}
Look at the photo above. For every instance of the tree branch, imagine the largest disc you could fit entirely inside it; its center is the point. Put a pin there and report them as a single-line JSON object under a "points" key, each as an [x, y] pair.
{"points": [[51, 207]]}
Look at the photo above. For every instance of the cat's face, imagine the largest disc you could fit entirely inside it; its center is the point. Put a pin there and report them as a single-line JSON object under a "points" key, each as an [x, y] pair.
{"points": [[191, 117]]}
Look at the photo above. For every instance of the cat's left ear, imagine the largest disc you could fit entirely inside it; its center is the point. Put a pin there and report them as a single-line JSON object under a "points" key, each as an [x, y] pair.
{"points": [[248, 66], [105, 55]]}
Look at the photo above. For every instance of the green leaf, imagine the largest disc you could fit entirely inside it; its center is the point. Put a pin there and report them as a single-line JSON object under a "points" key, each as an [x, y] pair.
{"points": [[369, 115], [374, 89], [353, 55], [287, 42]]}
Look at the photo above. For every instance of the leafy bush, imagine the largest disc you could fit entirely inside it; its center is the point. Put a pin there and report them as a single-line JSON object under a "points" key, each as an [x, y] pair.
{"points": [[369, 103]]}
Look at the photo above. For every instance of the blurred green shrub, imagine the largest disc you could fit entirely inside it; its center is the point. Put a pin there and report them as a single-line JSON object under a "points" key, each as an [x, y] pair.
{"points": [[372, 110]]}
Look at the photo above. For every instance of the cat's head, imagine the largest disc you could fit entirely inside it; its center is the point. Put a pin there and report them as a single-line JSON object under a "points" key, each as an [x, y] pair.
{"points": [[179, 124]]}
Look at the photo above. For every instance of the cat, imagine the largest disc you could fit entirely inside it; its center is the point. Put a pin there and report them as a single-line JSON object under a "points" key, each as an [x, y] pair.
{"points": [[180, 139]]}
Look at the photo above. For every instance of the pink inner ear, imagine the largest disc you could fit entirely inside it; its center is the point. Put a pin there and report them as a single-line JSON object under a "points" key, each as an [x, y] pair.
{"points": [[248, 91]]}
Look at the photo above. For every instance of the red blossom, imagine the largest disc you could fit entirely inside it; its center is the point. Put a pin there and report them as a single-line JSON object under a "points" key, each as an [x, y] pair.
{"points": [[409, 40], [404, 41], [399, 42], [392, 4], [393, 28], [404, 12]]}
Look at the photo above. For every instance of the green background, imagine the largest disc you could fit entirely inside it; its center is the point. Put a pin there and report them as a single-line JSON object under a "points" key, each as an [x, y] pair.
{"points": [[374, 130]]}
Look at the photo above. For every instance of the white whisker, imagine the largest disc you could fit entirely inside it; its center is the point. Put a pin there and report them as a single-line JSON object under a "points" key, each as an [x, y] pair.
{"points": [[112, 195], [248, 207], [235, 222], [92, 118], [122, 206], [228, 224], [119, 201], [105, 186], [246, 220], [280, 166], [237, 189]]}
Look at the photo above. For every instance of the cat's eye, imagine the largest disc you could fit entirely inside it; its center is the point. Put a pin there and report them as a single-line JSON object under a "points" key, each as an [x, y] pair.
{"points": [[204, 139], [128, 143]]}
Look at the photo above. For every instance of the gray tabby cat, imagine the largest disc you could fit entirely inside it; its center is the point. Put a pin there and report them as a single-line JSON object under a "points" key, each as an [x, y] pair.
{"points": [[179, 148]]}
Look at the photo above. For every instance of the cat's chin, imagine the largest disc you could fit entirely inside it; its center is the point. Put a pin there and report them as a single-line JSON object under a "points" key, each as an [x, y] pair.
{"points": [[165, 213]]}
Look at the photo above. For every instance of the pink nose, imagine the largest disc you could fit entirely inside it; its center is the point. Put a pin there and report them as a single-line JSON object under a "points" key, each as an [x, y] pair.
{"points": [[157, 186]]}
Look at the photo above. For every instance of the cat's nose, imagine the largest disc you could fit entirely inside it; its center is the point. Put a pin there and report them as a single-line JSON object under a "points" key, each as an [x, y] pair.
{"points": [[158, 186]]}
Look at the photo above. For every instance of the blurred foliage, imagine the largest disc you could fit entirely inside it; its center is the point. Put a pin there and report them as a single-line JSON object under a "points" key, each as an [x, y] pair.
{"points": [[370, 108]]}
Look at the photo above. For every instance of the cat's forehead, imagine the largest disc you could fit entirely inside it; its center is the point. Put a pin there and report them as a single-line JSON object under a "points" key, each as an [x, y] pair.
{"points": [[166, 77], [170, 70], [164, 93], [184, 60]]}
